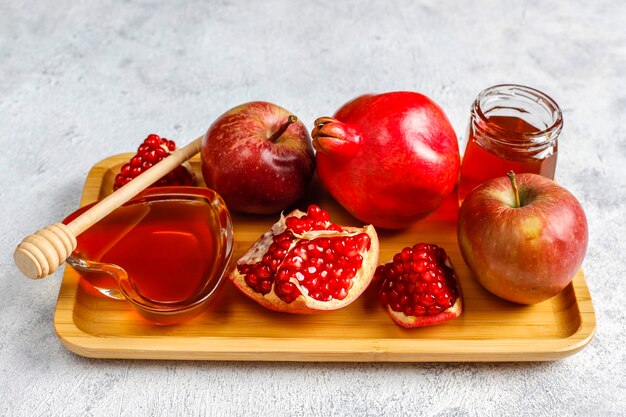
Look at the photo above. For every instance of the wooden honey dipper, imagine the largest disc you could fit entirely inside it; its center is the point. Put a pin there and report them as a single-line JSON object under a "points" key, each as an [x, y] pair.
{"points": [[41, 253]]}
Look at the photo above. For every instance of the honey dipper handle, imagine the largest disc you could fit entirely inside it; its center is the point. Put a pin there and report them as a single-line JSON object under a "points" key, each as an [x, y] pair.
{"points": [[41, 253]]}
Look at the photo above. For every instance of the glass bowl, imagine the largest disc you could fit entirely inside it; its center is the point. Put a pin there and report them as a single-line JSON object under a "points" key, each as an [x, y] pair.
{"points": [[166, 252]]}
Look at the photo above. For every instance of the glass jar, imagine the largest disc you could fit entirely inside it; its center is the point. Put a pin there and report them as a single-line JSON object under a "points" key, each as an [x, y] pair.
{"points": [[511, 127]]}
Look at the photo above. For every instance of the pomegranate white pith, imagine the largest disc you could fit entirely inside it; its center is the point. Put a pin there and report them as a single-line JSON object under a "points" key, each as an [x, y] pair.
{"points": [[294, 269]]}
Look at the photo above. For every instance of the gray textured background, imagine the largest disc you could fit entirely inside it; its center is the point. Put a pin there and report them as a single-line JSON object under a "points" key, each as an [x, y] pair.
{"points": [[80, 81]]}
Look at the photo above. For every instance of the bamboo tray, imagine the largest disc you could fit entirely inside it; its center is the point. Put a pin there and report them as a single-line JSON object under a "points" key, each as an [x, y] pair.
{"points": [[236, 328]]}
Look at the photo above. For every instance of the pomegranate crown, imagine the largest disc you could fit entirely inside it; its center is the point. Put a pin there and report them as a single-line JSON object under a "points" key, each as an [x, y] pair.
{"points": [[334, 137]]}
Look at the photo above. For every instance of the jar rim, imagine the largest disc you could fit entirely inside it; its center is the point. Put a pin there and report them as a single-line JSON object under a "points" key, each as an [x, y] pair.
{"points": [[528, 93]]}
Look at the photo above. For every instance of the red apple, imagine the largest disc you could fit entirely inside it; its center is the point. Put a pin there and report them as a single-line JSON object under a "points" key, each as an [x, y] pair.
{"points": [[524, 237], [258, 157]]}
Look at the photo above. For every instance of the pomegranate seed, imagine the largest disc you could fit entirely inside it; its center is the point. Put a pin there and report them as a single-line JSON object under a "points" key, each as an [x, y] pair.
{"points": [[325, 266], [416, 282], [383, 298], [287, 288], [434, 310], [338, 245], [265, 287], [292, 223], [251, 280], [319, 225], [323, 243], [264, 272], [351, 249], [153, 139], [341, 294], [363, 241], [427, 300], [151, 151], [160, 152], [314, 211], [430, 276], [136, 161], [316, 262]]}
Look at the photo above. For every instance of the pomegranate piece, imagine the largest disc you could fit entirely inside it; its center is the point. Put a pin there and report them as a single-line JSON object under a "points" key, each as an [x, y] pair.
{"points": [[305, 263], [151, 151], [419, 287]]}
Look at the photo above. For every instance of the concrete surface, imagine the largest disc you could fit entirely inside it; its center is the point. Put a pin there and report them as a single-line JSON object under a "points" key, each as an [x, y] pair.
{"points": [[80, 81]]}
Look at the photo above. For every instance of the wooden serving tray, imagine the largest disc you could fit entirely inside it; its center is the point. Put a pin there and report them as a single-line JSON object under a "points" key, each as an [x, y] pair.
{"points": [[236, 328]]}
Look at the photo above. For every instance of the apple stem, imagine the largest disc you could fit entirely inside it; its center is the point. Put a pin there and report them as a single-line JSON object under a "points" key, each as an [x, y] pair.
{"points": [[511, 175], [291, 119]]}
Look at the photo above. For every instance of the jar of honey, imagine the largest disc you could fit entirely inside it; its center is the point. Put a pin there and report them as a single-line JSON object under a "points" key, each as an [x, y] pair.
{"points": [[511, 127]]}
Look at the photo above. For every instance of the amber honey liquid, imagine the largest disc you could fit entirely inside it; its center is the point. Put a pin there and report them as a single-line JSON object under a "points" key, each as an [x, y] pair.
{"points": [[481, 164], [167, 248]]}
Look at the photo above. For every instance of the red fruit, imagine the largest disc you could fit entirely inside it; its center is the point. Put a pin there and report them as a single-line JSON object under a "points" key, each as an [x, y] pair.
{"points": [[389, 159], [258, 156], [305, 263], [419, 287], [524, 237], [153, 150]]}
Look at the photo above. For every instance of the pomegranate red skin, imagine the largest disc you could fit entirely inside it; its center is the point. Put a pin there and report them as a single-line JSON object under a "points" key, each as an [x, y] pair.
{"points": [[389, 159], [252, 173]]}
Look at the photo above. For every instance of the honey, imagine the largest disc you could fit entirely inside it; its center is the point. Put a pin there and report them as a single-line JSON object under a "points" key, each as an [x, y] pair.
{"points": [[511, 128], [164, 251]]}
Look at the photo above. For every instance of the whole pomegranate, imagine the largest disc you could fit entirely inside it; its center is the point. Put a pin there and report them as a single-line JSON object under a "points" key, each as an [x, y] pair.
{"points": [[389, 159], [305, 263]]}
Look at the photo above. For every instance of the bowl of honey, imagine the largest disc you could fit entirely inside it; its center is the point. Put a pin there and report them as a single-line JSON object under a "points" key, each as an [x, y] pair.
{"points": [[166, 252]]}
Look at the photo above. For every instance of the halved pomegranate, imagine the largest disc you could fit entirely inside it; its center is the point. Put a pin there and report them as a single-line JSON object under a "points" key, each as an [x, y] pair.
{"points": [[305, 263], [419, 287]]}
